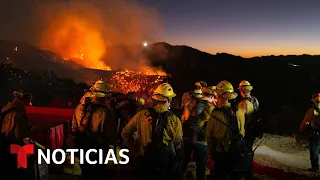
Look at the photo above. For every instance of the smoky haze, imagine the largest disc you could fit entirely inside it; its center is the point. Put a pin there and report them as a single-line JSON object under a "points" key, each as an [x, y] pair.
{"points": [[84, 31]]}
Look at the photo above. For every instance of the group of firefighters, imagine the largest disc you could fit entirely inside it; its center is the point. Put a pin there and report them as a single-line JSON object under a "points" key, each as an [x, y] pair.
{"points": [[161, 143]]}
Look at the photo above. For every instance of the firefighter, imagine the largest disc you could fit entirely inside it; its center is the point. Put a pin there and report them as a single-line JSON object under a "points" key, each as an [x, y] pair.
{"points": [[209, 94], [94, 127], [125, 109], [224, 120], [160, 135], [14, 129], [195, 94], [74, 168], [250, 106], [311, 122], [197, 90], [199, 109]]}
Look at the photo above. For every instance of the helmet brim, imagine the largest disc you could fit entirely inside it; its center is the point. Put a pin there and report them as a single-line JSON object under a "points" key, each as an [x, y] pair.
{"points": [[17, 93], [160, 97], [101, 94], [247, 88], [228, 95]]}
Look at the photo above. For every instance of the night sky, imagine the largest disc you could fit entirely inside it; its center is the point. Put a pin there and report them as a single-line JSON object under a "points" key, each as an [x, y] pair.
{"points": [[242, 27]]}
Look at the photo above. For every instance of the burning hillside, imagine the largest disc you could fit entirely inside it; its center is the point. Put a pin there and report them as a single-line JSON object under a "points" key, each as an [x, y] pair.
{"points": [[130, 81], [76, 39], [87, 32]]}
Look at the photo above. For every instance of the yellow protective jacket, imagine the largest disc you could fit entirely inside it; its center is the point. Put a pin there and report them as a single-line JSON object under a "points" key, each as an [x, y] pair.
{"points": [[247, 107], [172, 133], [218, 135], [15, 123], [311, 117], [208, 110], [102, 121]]}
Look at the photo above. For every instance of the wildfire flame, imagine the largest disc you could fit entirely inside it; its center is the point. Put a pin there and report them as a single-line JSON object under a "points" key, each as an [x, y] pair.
{"points": [[131, 81], [76, 39], [146, 70], [84, 38]]}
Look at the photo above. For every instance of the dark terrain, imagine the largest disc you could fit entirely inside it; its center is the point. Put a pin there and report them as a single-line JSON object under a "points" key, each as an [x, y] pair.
{"points": [[283, 84]]}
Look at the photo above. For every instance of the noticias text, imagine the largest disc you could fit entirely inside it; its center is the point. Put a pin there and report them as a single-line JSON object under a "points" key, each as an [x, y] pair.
{"points": [[59, 156]]}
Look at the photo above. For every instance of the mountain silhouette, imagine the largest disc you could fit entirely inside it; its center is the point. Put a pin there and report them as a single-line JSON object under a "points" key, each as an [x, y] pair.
{"points": [[283, 84]]}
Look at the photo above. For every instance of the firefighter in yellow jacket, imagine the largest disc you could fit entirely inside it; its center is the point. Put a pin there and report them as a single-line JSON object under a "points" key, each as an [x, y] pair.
{"points": [[209, 94], [195, 94], [197, 90], [196, 114], [250, 106], [14, 129], [170, 138], [311, 122], [94, 127], [219, 133]]}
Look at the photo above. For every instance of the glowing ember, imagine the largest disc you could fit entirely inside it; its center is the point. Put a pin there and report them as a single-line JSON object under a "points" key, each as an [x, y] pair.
{"points": [[130, 81], [146, 70]]}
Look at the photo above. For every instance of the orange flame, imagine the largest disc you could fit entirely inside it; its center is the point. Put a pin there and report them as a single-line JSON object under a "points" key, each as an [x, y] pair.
{"points": [[153, 71], [77, 40], [130, 81], [83, 38]]}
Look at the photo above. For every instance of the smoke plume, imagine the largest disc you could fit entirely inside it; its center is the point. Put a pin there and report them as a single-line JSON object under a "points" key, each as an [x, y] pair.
{"points": [[87, 32]]}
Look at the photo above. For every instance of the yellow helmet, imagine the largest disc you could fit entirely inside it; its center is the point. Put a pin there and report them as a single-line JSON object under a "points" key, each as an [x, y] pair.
{"points": [[141, 101], [99, 86], [99, 89], [225, 89], [209, 90], [163, 92], [245, 85]]}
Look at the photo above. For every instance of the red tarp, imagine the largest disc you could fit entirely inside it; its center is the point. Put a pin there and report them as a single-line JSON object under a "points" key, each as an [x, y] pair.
{"points": [[48, 122], [54, 115]]}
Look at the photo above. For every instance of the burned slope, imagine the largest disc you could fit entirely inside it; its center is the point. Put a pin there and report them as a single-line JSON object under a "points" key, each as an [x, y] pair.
{"points": [[26, 57]]}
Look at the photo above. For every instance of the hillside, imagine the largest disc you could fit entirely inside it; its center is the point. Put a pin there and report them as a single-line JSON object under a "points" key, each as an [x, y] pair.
{"points": [[283, 84]]}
